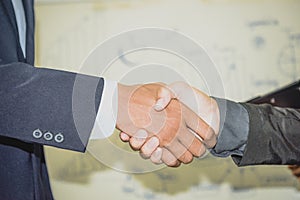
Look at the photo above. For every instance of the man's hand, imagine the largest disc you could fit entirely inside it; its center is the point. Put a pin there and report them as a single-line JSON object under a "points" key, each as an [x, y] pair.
{"points": [[199, 102], [204, 128], [295, 170], [168, 128]]}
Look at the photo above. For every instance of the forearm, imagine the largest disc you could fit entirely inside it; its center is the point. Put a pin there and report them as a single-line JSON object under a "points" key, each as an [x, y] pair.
{"points": [[258, 134], [274, 136], [43, 99], [234, 126]]}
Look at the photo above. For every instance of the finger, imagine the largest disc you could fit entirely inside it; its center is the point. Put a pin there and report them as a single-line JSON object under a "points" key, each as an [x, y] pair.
{"points": [[124, 137], [173, 90], [199, 128], [204, 154], [180, 152], [179, 88], [138, 139], [156, 156], [292, 167], [164, 97], [149, 147], [190, 142], [189, 96], [169, 159], [197, 101], [187, 157], [296, 171]]}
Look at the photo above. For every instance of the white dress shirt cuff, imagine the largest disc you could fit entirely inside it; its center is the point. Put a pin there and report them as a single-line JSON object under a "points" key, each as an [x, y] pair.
{"points": [[106, 118]]}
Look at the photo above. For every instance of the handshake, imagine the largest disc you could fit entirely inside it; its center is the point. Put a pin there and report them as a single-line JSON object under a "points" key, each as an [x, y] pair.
{"points": [[168, 124]]}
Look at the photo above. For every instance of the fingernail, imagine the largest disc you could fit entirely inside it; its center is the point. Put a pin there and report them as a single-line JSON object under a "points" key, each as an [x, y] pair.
{"points": [[159, 104]]}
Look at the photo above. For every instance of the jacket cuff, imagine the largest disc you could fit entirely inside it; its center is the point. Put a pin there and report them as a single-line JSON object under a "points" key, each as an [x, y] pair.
{"points": [[234, 127], [106, 118]]}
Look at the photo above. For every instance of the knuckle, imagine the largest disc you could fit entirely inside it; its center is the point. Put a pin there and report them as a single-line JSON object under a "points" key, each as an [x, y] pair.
{"points": [[144, 156], [170, 160], [197, 147], [208, 134], [154, 160], [172, 163], [133, 146], [200, 150]]}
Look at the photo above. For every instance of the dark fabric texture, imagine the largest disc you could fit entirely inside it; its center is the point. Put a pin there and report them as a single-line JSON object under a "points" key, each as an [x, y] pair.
{"points": [[10, 50], [234, 132], [274, 136], [35, 98]]}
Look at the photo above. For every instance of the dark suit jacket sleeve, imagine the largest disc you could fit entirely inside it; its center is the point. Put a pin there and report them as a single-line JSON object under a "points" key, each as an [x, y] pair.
{"points": [[274, 136], [234, 129], [48, 107]]}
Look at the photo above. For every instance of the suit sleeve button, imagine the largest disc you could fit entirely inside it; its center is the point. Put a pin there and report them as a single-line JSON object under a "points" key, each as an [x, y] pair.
{"points": [[48, 136], [59, 138], [37, 133]]}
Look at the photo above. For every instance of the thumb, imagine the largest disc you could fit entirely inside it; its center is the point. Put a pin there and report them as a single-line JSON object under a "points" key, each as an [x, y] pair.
{"points": [[164, 96]]}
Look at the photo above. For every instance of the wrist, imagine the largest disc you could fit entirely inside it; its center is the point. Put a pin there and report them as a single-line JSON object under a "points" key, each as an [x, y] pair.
{"points": [[215, 116], [105, 122], [122, 90], [124, 94]]}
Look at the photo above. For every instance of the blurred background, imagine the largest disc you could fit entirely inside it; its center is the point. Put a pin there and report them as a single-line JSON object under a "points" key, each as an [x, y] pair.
{"points": [[255, 45]]}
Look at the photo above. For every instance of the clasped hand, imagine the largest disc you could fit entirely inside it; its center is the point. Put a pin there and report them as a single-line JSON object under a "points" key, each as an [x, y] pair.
{"points": [[168, 124]]}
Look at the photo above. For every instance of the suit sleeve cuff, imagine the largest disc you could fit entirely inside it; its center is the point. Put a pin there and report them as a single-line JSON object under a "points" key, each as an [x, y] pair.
{"points": [[106, 118], [234, 129]]}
